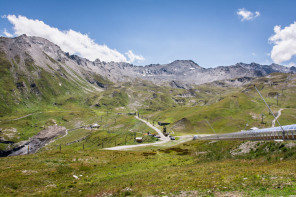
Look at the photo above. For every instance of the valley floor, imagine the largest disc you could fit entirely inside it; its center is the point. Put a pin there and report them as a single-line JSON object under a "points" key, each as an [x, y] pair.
{"points": [[87, 161]]}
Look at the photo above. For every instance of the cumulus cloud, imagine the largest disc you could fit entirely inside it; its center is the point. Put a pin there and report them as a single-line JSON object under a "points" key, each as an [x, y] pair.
{"points": [[7, 34], [247, 15], [284, 41], [133, 57], [70, 41]]}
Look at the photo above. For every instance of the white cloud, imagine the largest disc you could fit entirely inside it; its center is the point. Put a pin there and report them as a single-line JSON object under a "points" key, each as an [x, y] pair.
{"points": [[253, 54], [133, 57], [70, 41], [7, 34], [247, 15], [284, 41]]}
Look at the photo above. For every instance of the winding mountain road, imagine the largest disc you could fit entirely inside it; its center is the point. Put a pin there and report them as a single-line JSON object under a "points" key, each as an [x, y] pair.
{"points": [[162, 138]]}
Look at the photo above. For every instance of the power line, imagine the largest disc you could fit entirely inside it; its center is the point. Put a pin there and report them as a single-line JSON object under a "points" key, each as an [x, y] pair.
{"points": [[271, 111]]}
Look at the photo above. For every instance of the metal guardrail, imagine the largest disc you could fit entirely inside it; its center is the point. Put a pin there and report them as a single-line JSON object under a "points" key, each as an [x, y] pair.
{"points": [[287, 132]]}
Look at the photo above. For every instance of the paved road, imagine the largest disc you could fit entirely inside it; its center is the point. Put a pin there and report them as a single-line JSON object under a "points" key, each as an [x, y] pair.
{"points": [[164, 140], [162, 137]]}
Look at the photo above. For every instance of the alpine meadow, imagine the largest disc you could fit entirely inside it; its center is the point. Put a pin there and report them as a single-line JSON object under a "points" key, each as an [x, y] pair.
{"points": [[147, 98]]}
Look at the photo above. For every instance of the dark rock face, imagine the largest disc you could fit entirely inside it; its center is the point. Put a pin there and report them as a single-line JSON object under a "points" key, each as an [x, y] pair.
{"points": [[34, 89], [101, 85], [175, 84], [21, 85], [293, 69]]}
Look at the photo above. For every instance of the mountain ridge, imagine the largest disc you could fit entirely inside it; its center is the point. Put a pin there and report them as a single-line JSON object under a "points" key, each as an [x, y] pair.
{"points": [[49, 56]]}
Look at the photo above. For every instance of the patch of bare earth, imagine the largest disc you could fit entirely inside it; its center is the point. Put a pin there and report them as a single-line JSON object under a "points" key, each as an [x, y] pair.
{"points": [[183, 124], [41, 139], [244, 148], [290, 145]]}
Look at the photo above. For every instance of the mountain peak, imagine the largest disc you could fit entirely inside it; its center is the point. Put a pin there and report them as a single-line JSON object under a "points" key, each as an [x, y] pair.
{"points": [[44, 53], [184, 63]]}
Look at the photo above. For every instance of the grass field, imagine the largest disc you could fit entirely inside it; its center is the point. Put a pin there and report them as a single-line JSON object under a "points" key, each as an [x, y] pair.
{"points": [[203, 168], [197, 168]]}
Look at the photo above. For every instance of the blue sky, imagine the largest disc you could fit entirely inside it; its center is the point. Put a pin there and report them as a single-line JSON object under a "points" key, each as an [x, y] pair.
{"points": [[209, 32]]}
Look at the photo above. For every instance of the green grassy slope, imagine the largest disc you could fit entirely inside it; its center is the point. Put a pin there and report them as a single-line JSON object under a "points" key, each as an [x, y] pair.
{"points": [[227, 109], [204, 168], [236, 108], [201, 168]]}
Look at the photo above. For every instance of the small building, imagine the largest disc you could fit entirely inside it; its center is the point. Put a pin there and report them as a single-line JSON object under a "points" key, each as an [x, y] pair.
{"points": [[163, 123], [95, 126], [139, 139], [132, 114]]}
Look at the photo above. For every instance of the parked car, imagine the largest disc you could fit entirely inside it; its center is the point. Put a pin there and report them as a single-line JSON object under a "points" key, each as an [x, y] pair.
{"points": [[157, 136], [172, 138], [195, 137]]}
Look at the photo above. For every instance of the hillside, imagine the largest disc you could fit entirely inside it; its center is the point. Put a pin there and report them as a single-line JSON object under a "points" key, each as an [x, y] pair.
{"points": [[36, 72], [53, 87], [45, 89], [234, 109]]}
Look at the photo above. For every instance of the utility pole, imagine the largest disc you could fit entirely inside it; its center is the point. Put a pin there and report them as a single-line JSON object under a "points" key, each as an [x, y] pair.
{"points": [[262, 118], [211, 126]]}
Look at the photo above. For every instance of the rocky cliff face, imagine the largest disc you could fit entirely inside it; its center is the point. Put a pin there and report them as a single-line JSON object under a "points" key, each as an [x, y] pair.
{"points": [[42, 54]]}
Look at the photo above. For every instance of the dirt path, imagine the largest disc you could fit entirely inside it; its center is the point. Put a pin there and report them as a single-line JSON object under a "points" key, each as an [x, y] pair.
{"points": [[21, 117], [278, 115], [37, 113]]}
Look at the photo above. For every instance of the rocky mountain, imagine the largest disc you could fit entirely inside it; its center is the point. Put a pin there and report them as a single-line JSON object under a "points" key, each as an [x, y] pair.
{"points": [[29, 57]]}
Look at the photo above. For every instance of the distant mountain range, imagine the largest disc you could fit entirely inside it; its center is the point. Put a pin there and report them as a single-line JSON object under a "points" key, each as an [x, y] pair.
{"points": [[28, 56]]}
